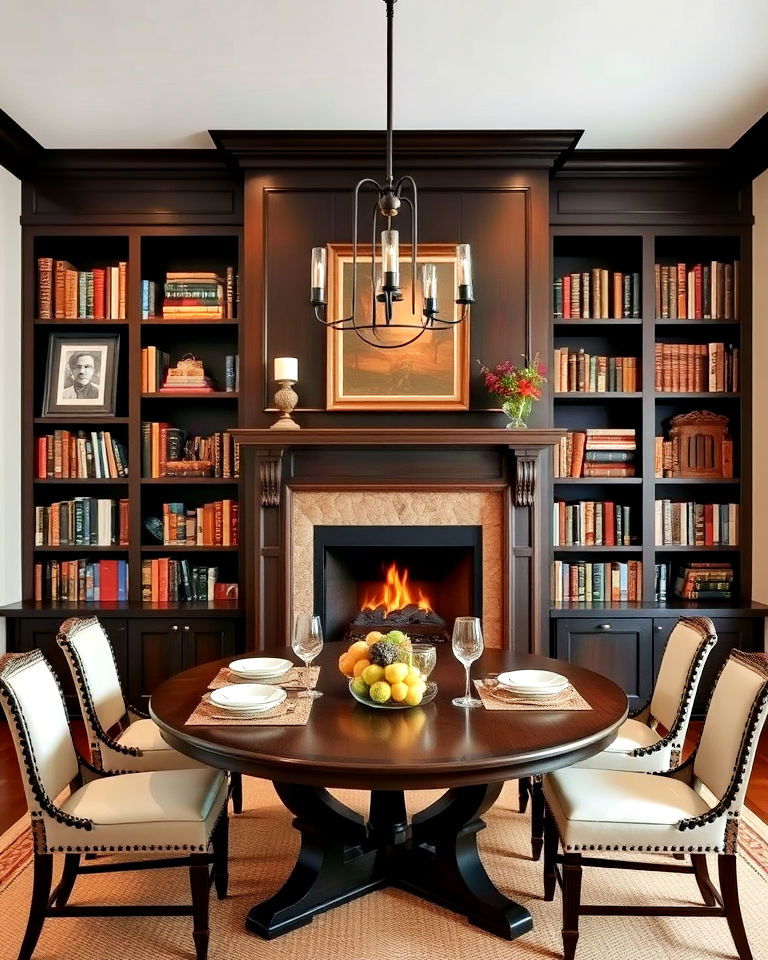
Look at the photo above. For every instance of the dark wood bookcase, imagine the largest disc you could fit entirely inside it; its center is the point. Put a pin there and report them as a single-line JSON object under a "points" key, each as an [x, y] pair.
{"points": [[631, 229]]}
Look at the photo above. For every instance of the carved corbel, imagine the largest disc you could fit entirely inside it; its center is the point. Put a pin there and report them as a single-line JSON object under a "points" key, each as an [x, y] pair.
{"points": [[526, 465], [270, 476]]}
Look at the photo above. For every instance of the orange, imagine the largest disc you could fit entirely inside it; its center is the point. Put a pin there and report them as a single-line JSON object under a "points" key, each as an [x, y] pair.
{"points": [[360, 665], [346, 664]]}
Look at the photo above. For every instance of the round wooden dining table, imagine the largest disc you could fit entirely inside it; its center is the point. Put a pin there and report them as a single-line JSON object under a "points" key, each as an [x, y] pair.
{"points": [[469, 753]]}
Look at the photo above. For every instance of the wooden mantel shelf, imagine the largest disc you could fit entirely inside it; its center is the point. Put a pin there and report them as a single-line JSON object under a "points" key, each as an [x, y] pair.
{"points": [[272, 444], [398, 436]]}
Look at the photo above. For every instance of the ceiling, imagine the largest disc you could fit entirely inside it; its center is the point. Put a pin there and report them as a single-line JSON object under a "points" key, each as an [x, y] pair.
{"points": [[160, 73]]}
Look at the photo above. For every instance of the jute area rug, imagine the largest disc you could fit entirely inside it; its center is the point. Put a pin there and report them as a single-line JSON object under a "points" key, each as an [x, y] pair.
{"points": [[388, 924]]}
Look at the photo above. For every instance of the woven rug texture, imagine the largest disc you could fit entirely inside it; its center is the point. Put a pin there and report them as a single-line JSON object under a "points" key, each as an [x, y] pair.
{"points": [[387, 924]]}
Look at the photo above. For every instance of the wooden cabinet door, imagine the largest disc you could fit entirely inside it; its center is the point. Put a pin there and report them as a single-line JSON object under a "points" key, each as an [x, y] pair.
{"points": [[154, 654], [38, 633], [620, 649], [733, 633], [204, 640]]}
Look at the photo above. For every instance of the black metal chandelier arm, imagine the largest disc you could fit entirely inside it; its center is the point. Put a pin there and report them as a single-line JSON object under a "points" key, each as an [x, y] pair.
{"points": [[414, 239], [329, 323], [453, 323], [391, 346], [358, 187]]}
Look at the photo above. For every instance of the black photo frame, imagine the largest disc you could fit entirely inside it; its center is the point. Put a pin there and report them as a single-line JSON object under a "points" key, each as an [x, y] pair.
{"points": [[81, 375]]}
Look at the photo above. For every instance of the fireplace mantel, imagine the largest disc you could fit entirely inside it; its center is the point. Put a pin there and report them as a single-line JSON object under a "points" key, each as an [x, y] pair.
{"points": [[272, 444]]}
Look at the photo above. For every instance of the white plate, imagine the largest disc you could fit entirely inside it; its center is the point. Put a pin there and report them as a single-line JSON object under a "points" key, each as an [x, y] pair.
{"points": [[533, 679], [260, 667], [248, 696], [532, 694]]}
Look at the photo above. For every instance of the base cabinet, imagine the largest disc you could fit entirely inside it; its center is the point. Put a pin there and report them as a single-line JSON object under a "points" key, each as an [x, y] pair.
{"points": [[148, 650], [629, 649]]}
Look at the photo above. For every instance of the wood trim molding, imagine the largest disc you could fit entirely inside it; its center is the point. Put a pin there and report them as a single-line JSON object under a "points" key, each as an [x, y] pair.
{"points": [[270, 476], [749, 154], [646, 163], [417, 149], [267, 439], [19, 151]]}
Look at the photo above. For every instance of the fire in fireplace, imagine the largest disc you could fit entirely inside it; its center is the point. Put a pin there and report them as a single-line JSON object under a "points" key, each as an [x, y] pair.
{"points": [[412, 578]]}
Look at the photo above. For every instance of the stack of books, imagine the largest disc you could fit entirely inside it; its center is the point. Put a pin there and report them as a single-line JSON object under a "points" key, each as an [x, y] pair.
{"points": [[192, 293], [586, 582], [574, 371], [696, 368], [705, 581], [211, 525], [83, 521], [688, 524], [598, 294], [65, 293], [590, 523], [83, 581], [163, 443], [600, 452], [61, 455], [701, 291], [166, 580]]}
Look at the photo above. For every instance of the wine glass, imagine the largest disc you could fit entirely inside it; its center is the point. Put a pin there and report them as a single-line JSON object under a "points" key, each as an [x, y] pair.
{"points": [[423, 657], [467, 642], [307, 643]]}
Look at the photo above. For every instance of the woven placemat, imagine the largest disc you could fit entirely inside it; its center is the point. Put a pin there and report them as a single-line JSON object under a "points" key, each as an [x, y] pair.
{"points": [[495, 697], [293, 679], [292, 712]]}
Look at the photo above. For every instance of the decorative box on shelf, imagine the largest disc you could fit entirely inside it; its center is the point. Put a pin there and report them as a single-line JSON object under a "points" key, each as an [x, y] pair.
{"points": [[187, 375]]}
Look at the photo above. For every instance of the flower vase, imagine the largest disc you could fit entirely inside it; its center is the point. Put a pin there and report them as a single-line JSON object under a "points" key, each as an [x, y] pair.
{"points": [[517, 410]]}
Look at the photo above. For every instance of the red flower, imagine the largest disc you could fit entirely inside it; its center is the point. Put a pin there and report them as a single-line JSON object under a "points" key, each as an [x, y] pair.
{"points": [[525, 388], [541, 370]]}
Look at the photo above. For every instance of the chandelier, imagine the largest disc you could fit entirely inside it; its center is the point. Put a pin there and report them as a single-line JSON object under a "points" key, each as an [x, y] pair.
{"points": [[385, 271]]}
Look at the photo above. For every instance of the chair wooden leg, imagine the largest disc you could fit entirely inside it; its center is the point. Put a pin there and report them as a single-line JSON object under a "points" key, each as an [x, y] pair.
{"points": [[199, 881], [701, 872], [523, 791], [236, 791], [68, 877], [537, 817], [571, 903], [220, 843], [729, 888], [41, 890], [551, 843]]}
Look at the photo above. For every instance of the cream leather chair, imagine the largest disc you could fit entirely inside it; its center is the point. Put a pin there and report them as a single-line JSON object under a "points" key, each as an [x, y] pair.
{"points": [[639, 746], [613, 810], [76, 809], [138, 745]]}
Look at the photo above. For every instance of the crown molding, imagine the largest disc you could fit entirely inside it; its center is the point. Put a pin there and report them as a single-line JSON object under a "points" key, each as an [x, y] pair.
{"points": [[646, 163], [131, 162], [416, 149], [749, 154], [19, 152]]}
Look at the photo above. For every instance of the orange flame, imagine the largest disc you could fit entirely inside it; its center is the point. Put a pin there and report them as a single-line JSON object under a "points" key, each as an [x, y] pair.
{"points": [[395, 593]]}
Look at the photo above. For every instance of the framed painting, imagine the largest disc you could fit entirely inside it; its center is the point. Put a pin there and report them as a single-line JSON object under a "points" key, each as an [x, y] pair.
{"points": [[430, 374], [81, 375]]}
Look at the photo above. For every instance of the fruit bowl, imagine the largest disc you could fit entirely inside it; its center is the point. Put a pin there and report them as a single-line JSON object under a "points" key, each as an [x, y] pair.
{"points": [[429, 695]]}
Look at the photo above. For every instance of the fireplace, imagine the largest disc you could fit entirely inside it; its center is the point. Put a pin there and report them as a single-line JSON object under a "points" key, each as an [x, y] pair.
{"points": [[409, 577]]}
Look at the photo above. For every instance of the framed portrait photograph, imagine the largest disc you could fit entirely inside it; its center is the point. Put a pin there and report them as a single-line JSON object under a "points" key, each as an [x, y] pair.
{"points": [[430, 374], [81, 374]]}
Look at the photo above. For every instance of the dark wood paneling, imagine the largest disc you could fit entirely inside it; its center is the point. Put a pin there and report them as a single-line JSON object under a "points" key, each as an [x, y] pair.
{"points": [[206, 640], [154, 655], [402, 466], [19, 152]]}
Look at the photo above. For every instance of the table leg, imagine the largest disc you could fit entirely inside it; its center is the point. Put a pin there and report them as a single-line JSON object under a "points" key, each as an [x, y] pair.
{"points": [[443, 864]]}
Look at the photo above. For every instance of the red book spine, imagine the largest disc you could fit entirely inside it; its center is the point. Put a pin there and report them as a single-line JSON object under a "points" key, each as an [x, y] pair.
{"points": [[567, 297], [708, 532], [609, 524], [162, 579], [42, 458], [108, 579], [697, 292], [218, 524], [99, 286]]}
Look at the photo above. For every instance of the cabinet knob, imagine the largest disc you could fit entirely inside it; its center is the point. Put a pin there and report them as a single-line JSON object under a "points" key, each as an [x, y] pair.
{"points": [[186, 626], [659, 629], [603, 626], [175, 626]]}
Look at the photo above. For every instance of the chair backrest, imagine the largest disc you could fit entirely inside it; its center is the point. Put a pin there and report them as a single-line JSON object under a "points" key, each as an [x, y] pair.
{"points": [[735, 717], [37, 717], [691, 641], [92, 662]]}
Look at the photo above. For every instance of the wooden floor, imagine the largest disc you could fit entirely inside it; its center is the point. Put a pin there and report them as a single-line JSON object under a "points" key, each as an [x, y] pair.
{"points": [[13, 803]]}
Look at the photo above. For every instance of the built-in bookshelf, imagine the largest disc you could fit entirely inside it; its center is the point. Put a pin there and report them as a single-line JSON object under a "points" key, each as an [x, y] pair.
{"points": [[148, 490], [687, 327]]}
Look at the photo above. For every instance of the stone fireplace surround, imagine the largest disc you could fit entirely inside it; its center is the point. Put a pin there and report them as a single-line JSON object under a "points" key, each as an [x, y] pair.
{"points": [[396, 476]]}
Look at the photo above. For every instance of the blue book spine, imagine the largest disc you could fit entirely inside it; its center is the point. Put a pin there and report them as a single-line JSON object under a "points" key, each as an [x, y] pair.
{"points": [[145, 299], [97, 581], [122, 580]]}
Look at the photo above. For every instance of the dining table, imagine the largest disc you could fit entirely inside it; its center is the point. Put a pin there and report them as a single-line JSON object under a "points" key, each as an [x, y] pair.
{"points": [[467, 753]]}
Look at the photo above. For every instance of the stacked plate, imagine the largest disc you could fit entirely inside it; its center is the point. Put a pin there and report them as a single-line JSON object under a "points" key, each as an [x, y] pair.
{"points": [[533, 683], [247, 698], [260, 668]]}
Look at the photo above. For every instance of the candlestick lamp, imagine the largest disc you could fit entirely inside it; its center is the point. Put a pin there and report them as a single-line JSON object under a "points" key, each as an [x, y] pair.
{"points": [[286, 398]]}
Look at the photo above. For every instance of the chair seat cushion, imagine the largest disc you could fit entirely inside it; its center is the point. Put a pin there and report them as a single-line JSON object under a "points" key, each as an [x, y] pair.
{"points": [[156, 753], [632, 735], [165, 810], [614, 809]]}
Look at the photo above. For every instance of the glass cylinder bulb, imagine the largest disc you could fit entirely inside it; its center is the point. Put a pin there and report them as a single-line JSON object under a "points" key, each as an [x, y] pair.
{"points": [[463, 265], [318, 273], [429, 281], [390, 258]]}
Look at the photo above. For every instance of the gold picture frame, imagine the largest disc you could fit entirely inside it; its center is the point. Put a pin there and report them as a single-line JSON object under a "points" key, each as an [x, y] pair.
{"points": [[430, 374]]}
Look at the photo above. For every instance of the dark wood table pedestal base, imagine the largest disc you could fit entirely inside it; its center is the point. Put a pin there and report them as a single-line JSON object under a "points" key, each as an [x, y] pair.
{"points": [[343, 857]]}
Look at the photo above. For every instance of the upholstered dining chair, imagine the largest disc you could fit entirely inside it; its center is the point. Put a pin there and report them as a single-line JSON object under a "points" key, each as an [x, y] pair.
{"points": [[639, 745], [77, 809], [694, 809], [137, 744]]}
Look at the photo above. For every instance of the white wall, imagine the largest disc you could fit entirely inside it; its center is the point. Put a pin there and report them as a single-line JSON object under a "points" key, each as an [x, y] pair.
{"points": [[10, 391]]}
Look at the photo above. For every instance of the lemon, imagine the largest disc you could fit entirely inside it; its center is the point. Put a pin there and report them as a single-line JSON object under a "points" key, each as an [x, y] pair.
{"points": [[413, 697], [373, 674], [399, 691], [395, 672], [360, 687], [413, 676], [381, 691]]}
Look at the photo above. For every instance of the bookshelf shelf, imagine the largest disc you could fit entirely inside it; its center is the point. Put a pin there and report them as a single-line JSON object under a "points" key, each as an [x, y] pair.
{"points": [[701, 395], [179, 548], [191, 395], [632, 548], [84, 421], [685, 481], [197, 321], [674, 322], [77, 481], [77, 322], [591, 481], [675, 548], [606, 395], [84, 550], [598, 322], [189, 481]]}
